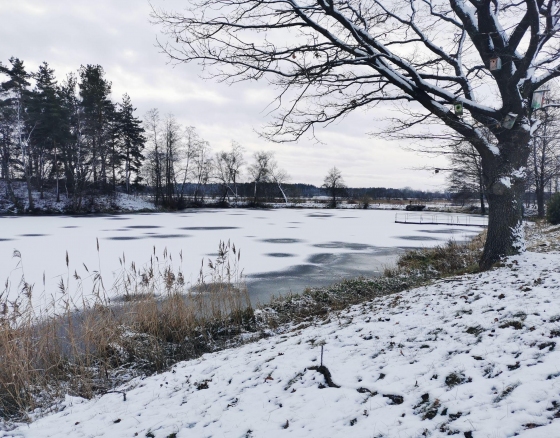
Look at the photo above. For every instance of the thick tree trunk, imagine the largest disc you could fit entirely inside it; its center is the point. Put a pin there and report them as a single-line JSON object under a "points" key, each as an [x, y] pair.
{"points": [[505, 232], [505, 186]]}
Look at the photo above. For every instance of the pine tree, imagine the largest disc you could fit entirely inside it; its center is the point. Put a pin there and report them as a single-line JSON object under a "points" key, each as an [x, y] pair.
{"points": [[7, 146], [48, 115], [96, 105], [132, 141], [75, 155], [16, 93], [112, 137]]}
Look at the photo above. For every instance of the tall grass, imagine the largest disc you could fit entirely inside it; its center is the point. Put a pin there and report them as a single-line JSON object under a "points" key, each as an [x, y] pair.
{"points": [[89, 345], [444, 260]]}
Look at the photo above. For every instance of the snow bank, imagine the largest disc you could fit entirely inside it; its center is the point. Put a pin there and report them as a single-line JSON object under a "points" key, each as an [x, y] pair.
{"points": [[474, 355], [117, 202]]}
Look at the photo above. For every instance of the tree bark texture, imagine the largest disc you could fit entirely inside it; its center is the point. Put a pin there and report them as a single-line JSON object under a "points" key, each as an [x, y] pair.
{"points": [[504, 180]]}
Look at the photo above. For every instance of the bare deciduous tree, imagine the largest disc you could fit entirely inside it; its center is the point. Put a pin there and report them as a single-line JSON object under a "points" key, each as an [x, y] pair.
{"points": [[279, 176], [227, 169], [545, 155], [154, 168], [483, 57], [202, 168], [334, 184], [466, 172], [173, 141], [259, 170], [187, 154]]}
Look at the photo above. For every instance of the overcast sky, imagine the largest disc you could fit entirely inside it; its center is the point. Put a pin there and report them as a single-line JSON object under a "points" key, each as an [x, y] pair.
{"points": [[117, 34]]}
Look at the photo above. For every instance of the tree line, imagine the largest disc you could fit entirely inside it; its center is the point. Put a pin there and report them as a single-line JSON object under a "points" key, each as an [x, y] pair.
{"points": [[71, 136], [68, 134]]}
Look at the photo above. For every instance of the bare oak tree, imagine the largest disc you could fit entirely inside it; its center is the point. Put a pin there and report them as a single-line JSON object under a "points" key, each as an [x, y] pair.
{"points": [[484, 58]]}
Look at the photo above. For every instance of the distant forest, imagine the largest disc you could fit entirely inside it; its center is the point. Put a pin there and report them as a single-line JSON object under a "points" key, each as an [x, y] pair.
{"points": [[270, 191], [70, 138]]}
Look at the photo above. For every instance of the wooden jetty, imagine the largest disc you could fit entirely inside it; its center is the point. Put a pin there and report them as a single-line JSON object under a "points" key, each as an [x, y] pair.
{"points": [[441, 219]]}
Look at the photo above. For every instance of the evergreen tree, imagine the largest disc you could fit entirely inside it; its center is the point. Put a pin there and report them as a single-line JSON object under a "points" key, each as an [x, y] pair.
{"points": [[7, 145], [112, 137], [16, 96], [97, 108], [48, 115], [75, 155], [132, 141]]}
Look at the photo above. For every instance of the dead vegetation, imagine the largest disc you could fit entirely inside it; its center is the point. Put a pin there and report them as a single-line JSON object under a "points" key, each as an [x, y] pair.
{"points": [[92, 346], [449, 259]]}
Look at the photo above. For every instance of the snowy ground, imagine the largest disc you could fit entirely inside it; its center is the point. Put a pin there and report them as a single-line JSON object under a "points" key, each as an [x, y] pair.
{"points": [[281, 250], [120, 202], [473, 356]]}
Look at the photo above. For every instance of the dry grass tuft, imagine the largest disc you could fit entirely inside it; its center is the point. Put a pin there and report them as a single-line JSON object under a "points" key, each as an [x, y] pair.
{"points": [[91, 348], [443, 260]]}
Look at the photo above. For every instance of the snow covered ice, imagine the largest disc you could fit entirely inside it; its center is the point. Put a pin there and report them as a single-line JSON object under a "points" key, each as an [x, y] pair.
{"points": [[473, 356], [271, 242]]}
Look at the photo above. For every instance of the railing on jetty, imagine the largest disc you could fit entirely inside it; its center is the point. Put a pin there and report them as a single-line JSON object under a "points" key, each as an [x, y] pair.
{"points": [[441, 219]]}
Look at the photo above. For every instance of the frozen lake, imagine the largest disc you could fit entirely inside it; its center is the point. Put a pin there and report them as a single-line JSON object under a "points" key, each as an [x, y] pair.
{"points": [[281, 250]]}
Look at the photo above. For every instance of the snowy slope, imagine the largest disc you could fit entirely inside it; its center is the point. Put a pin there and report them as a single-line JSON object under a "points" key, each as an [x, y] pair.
{"points": [[474, 355]]}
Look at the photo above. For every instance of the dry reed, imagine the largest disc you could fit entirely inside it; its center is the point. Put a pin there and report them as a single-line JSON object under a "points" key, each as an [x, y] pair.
{"points": [[89, 346]]}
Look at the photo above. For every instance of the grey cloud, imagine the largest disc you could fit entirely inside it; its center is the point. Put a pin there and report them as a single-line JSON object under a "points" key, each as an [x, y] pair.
{"points": [[118, 35]]}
